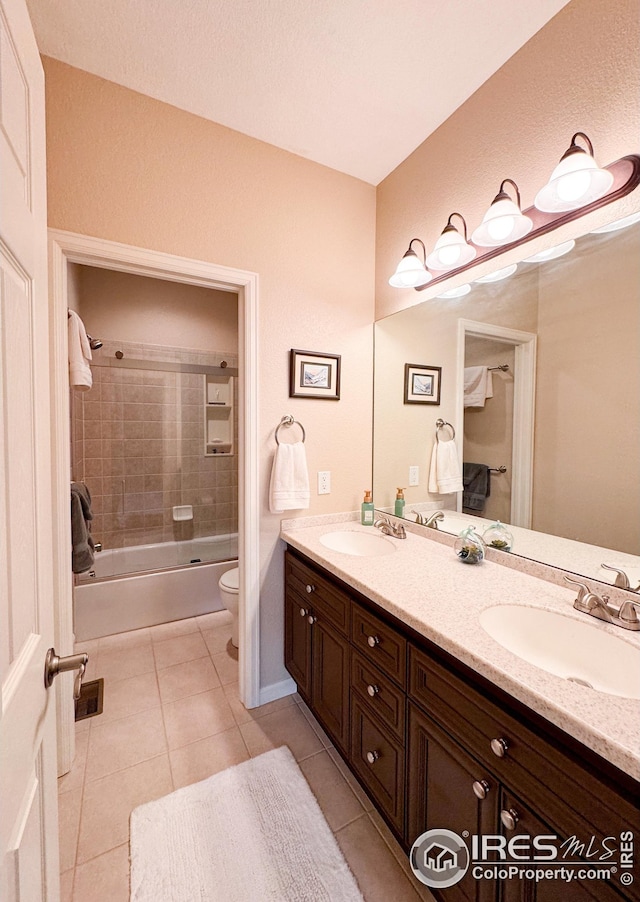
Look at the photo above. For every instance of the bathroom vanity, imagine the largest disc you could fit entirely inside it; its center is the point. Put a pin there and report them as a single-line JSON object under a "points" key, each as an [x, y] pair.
{"points": [[443, 727]]}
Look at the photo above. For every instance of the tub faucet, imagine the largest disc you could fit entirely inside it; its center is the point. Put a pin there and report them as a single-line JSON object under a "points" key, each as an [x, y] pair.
{"points": [[624, 614], [390, 529]]}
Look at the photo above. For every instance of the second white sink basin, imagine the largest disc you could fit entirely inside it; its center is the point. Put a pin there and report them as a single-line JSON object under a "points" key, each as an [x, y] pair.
{"points": [[360, 544], [566, 647]]}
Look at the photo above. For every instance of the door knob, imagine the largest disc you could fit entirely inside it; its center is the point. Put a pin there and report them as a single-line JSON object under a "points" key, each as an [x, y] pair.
{"points": [[53, 665], [373, 756], [373, 690]]}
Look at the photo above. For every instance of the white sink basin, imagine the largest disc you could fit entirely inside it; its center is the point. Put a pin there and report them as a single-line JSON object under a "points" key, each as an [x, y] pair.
{"points": [[361, 544], [567, 647]]}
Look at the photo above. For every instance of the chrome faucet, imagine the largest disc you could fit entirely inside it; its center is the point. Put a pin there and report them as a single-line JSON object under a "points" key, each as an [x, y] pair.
{"points": [[623, 614], [431, 520], [390, 529], [621, 580]]}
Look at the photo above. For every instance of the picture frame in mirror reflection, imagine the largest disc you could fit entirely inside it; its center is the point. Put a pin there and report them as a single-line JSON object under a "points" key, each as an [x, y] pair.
{"points": [[422, 384], [313, 374]]}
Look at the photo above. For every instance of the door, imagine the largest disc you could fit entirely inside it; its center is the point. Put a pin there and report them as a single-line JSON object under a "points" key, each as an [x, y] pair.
{"points": [[330, 681], [28, 825]]}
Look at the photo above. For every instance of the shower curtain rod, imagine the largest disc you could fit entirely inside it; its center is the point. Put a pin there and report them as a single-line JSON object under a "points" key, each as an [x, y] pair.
{"points": [[165, 366]]}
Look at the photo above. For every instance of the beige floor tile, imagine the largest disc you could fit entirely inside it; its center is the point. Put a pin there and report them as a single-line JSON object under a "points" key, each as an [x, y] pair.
{"points": [[315, 726], [287, 727], [171, 630], [246, 715], [182, 680], [130, 639], [399, 854], [196, 717], [379, 875], [69, 805], [200, 760], [178, 650], [218, 639], [339, 804], [104, 879], [75, 778], [359, 792], [66, 886], [226, 667], [125, 742], [213, 621], [108, 802], [123, 663], [124, 697]]}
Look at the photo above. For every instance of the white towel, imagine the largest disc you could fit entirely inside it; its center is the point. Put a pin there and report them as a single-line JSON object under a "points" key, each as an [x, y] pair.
{"points": [[80, 376], [444, 474], [478, 385], [289, 488]]}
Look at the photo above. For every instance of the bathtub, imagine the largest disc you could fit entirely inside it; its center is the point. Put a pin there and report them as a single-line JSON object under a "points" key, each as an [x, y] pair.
{"points": [[116, 596]]}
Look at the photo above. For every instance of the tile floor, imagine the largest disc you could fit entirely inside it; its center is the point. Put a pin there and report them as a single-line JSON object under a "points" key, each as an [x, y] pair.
{"points": [[171, 717]]}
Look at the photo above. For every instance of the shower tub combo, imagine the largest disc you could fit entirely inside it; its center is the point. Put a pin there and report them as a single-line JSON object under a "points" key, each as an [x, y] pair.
{"points": [[125, 590]]}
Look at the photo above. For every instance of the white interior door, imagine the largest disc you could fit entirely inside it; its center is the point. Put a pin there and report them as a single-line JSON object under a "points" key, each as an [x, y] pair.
{"points": [[28, 798]]}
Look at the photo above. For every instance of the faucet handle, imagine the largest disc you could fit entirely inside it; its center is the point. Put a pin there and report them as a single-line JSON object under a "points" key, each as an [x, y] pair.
{"points": [[621, 580], [628, 612], [584, 589]]}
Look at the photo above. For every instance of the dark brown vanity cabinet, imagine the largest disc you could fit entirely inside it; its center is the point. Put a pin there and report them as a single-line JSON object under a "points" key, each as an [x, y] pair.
{"points": [[437, 746]]}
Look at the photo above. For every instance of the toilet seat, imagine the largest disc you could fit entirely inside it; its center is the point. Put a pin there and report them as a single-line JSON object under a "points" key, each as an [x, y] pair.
{"points": [[230, 580]]}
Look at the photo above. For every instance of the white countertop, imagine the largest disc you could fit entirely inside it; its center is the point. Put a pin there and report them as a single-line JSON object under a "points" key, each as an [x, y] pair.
{"points": [[427, 587]]}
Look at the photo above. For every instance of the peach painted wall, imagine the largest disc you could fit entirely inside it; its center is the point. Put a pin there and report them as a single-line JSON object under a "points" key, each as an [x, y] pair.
{"points": [[124, 167], [580, 72]]}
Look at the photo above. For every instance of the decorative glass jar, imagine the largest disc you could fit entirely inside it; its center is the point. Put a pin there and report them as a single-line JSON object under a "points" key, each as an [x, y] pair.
{"points": [[469, 547], [498, 536]]}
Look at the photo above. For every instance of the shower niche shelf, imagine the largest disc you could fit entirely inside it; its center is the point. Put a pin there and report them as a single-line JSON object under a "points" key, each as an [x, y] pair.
{"points": [[218, 415]]}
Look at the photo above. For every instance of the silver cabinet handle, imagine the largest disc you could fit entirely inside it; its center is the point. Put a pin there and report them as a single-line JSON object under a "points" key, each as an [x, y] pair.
{"points": [[499, 747], [53, 665], [372, 757], [304, 612], [373, 690], [310, 588], [481, 788], [372, 641], [311, 619], [509, 818]]}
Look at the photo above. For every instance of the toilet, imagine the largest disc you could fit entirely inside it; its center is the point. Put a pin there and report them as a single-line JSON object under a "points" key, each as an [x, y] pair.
{"points": [[228, 584]]}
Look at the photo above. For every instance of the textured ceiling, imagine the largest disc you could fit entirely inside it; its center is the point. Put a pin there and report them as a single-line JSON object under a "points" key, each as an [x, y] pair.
{"points": [[354, 84]]}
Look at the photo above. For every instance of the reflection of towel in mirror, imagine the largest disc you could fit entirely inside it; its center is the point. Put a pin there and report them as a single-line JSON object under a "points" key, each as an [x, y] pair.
{"points": [[81, 516], [444, 474], [289, 489], [477, 486], [80, 376], [478, 385]]}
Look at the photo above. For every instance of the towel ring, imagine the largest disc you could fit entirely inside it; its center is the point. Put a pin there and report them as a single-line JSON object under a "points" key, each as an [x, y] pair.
{"points": [[288, 420], [440, 424]]}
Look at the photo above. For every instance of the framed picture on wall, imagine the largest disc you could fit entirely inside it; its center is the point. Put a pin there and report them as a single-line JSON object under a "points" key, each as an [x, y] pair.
{"points": [[421, 384], [314, 375]]}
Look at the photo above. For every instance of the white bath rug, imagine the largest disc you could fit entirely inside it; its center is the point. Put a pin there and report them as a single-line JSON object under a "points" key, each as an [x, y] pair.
{"points": [[252, 833]]}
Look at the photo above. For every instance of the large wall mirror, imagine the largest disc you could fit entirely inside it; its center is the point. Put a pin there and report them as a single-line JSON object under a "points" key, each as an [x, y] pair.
{"points": [[561, 430]]}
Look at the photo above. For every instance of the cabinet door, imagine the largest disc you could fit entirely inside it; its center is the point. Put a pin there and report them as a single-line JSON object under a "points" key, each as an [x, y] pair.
{"points": [[330, 681], [297, 644], [441, 777]]}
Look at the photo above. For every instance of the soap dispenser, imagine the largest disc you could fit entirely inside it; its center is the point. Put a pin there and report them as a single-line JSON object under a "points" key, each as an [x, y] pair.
{"points": [[366, 515], [399, 508]]}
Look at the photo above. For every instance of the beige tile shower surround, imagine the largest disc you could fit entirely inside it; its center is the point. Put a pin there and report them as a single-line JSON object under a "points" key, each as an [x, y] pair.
{"points": [[427, 587], [172, 717]]}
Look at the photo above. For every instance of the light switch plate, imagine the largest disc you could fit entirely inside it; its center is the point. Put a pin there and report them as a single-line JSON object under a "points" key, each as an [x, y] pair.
{"points": [[324, 482], [414, 475]]}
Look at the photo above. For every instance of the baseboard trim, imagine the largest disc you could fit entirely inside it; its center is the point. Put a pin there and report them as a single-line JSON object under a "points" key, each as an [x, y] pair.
{"points": [[277, 690]]}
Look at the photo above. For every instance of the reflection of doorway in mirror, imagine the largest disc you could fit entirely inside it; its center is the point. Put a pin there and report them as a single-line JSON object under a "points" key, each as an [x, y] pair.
{"points": [[488, 430]]}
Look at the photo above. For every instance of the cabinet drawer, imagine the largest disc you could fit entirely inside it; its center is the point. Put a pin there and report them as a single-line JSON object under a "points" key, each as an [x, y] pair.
{"points": [[379, 694], [380, 643], [317, 593], [543, 773], [378, 759]]}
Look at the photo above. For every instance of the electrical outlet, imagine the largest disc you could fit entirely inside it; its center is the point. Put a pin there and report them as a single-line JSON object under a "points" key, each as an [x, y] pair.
{"points": [[414, 475], [324, 482]]}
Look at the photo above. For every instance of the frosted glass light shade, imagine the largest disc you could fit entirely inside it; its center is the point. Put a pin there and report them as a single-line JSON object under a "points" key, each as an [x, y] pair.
{"points": [[410, 272], [552, 253], [458, 292], [618, 224], [576, 181], [503, 223], [450, 251], [499, 274]]}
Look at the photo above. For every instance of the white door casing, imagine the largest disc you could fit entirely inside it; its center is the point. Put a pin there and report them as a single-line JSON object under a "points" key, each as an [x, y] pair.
{"points": [[28, 791]]}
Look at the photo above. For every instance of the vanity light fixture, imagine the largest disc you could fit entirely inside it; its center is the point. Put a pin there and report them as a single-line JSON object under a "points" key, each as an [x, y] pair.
{"points": [[576, 181], [451, 249], [618, 224], [552, 253], [411, 271], [458, 292], [504, 221], [499, 274]]}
